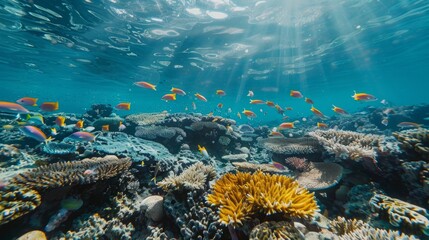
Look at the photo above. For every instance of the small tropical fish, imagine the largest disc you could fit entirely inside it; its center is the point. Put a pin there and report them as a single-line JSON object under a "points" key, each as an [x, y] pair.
{"points": [[256, 101], [408, 125], [12, 107], [36, 120], [201, 97], [8, 127], [322, 125], [219, 105], [279, 109], [145, 85], [285, 117], [239, 115], [169, 97], [385, 121], [54, 131], [79, 124], [309, 101], [229, 110], [34, 133], [304, 119], [229, 130], [220, 93], [60, 121], [338, 110], [178, 91], [210, 114], [28, 101], [286, 125], [49, 106], [123, 106], [88, 129], [384, 102], [215, 119], [296, 94], [105, 128], [82, 137], [317, 112], [388, 111], [289, 108], [250, 94], [275, 134], [278, 165], [364, 97], [194, 106], [203, 151], [121, 126], [270, 103], [142, 163], [249, 113]]}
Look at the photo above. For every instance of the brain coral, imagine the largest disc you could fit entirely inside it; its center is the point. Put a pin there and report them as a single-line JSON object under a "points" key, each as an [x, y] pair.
{"points": [[16, 201], [243, 195], [71, 173], [401, 213]]}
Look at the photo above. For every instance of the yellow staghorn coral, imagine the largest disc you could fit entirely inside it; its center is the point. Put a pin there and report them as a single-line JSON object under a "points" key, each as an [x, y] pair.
{"points": [[242, 195]]}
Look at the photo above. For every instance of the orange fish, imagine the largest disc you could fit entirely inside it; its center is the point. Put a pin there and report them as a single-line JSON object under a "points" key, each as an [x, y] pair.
{"points": [[296, 94], [279, 109], [321, 125], [309, 101], [286, 125], [249, 113], [49, 106], [364, 97], [123, 106], [60, 121], [269, 103], [105, 128], [219, 105], [169, 97], [178, 91], [317, 112], [79, 124], [12, 107], [276, 134], [28, 101], [289, 108], [220, 92], [201, 97], [256, 102], [146, 85], [338, 110]]}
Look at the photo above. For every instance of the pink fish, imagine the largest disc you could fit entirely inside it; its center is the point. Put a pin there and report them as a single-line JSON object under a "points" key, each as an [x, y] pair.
{"points": [[29, 101], [278, 165], [33, 132], [12, 107], [82, 137]]}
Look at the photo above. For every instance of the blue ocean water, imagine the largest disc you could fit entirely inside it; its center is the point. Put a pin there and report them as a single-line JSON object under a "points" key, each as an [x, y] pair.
{"points": [[85, 52]]}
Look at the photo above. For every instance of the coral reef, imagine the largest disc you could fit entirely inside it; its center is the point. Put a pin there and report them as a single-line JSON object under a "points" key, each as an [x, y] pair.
{"points": [[98, 111], [322, 176], [400, 213], [33, 235], [298, 164], [275, 231], [9, 155], [341, 225], [55, 148], [113, 123], [235, 157], [253, 167], [16, 201], [242, 195], [358, 200], [415, 142], [146, 119], [370, 233], [71, 173], [194, 177], [152, 206], [292, 147], [164, 133]]}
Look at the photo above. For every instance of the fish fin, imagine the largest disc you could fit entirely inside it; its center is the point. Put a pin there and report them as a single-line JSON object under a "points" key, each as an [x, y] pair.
{"points": [[49, 139]]}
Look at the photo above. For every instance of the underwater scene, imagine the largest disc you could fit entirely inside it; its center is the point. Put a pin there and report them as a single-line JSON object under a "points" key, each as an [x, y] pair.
{"points": [[214, 119]]}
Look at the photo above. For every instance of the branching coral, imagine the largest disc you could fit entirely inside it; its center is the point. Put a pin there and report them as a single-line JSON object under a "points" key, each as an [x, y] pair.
{"points": [[341, 226], [71, 173], [275, 231], [242, 195], [370, 233], [348, 144], [401, 213], [291, 146], [16, 201], [415, 140], [194, 177]]}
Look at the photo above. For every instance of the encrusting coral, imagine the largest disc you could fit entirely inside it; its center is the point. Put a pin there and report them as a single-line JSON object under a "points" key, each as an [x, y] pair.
{"points": [[71, 173], [146, 119], [16, 201], [400, 213], [194, 177], [253, 167], [275, 231], [415, 140], [242, 195], [291, 146]]}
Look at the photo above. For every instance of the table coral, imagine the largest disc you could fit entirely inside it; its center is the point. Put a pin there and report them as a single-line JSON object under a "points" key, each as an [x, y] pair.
{"points": [[240, 196], [72, 173], [253, 167], [400, 213], [322, 176], [16, 201], [146, 119]]}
